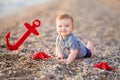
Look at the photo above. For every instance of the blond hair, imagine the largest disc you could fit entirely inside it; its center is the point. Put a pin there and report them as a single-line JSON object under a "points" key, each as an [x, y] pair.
{"points": [[64, 16]]}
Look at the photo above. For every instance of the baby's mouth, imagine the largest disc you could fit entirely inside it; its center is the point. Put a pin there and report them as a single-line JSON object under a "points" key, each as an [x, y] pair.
{"points": [[63, 31]]}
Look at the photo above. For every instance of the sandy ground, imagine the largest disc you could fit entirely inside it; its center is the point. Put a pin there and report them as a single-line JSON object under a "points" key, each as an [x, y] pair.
{"points": [[94, 19]]}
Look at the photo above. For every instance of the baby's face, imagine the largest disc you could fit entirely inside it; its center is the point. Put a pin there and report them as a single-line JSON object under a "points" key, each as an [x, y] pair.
{"points": [[64, 27]]}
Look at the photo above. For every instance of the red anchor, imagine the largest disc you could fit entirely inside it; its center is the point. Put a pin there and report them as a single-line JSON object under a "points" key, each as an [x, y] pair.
{"points": [[30, 29]]}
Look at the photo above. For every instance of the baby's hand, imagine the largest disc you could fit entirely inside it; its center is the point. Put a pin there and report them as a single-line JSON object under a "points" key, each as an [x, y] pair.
{"points": [[62, 61], [58, 57]]}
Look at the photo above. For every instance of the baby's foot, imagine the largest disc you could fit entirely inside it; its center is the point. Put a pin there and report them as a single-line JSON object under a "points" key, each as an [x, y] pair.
{"points": [[91, 45]]}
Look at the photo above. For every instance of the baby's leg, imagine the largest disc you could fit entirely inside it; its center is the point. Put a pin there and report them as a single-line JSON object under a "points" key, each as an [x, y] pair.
{"points": [[91, 45]]}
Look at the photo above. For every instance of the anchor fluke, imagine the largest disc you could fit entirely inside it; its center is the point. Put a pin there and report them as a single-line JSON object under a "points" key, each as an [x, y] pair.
{"points": [[9, 46]]}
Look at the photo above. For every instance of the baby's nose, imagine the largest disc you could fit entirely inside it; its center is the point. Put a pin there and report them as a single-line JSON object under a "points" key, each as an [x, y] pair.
{"points": [[63, 27]]}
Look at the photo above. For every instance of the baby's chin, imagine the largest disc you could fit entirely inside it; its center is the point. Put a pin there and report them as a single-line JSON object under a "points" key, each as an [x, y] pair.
{"points": [[65, 35]]}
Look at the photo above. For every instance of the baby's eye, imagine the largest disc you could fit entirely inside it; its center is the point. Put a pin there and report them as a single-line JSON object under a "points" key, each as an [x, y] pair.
{"points": [[67, 25], [59, 26]]}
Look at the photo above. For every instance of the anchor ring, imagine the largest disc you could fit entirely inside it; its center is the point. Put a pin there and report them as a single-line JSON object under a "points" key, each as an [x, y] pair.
{"points": [[36, 22]]}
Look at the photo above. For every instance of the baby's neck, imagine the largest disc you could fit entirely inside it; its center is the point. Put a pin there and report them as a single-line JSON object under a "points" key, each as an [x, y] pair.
{"points": [[63, 37]]}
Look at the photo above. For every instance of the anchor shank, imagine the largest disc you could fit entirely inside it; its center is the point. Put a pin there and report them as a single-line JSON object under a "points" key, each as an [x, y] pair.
{"points": [[22, 38]]}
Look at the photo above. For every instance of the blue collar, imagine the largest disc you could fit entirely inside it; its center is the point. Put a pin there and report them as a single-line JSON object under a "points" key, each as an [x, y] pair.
{"points": [[66, 38]]}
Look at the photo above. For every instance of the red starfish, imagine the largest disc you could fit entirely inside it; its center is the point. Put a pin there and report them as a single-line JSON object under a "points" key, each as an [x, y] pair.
{"points": [[40, 55], [103, 65]]}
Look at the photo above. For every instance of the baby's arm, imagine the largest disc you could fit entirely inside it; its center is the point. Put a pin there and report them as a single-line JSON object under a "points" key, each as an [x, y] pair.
{"points": [[58, 53], [72, 56]]}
